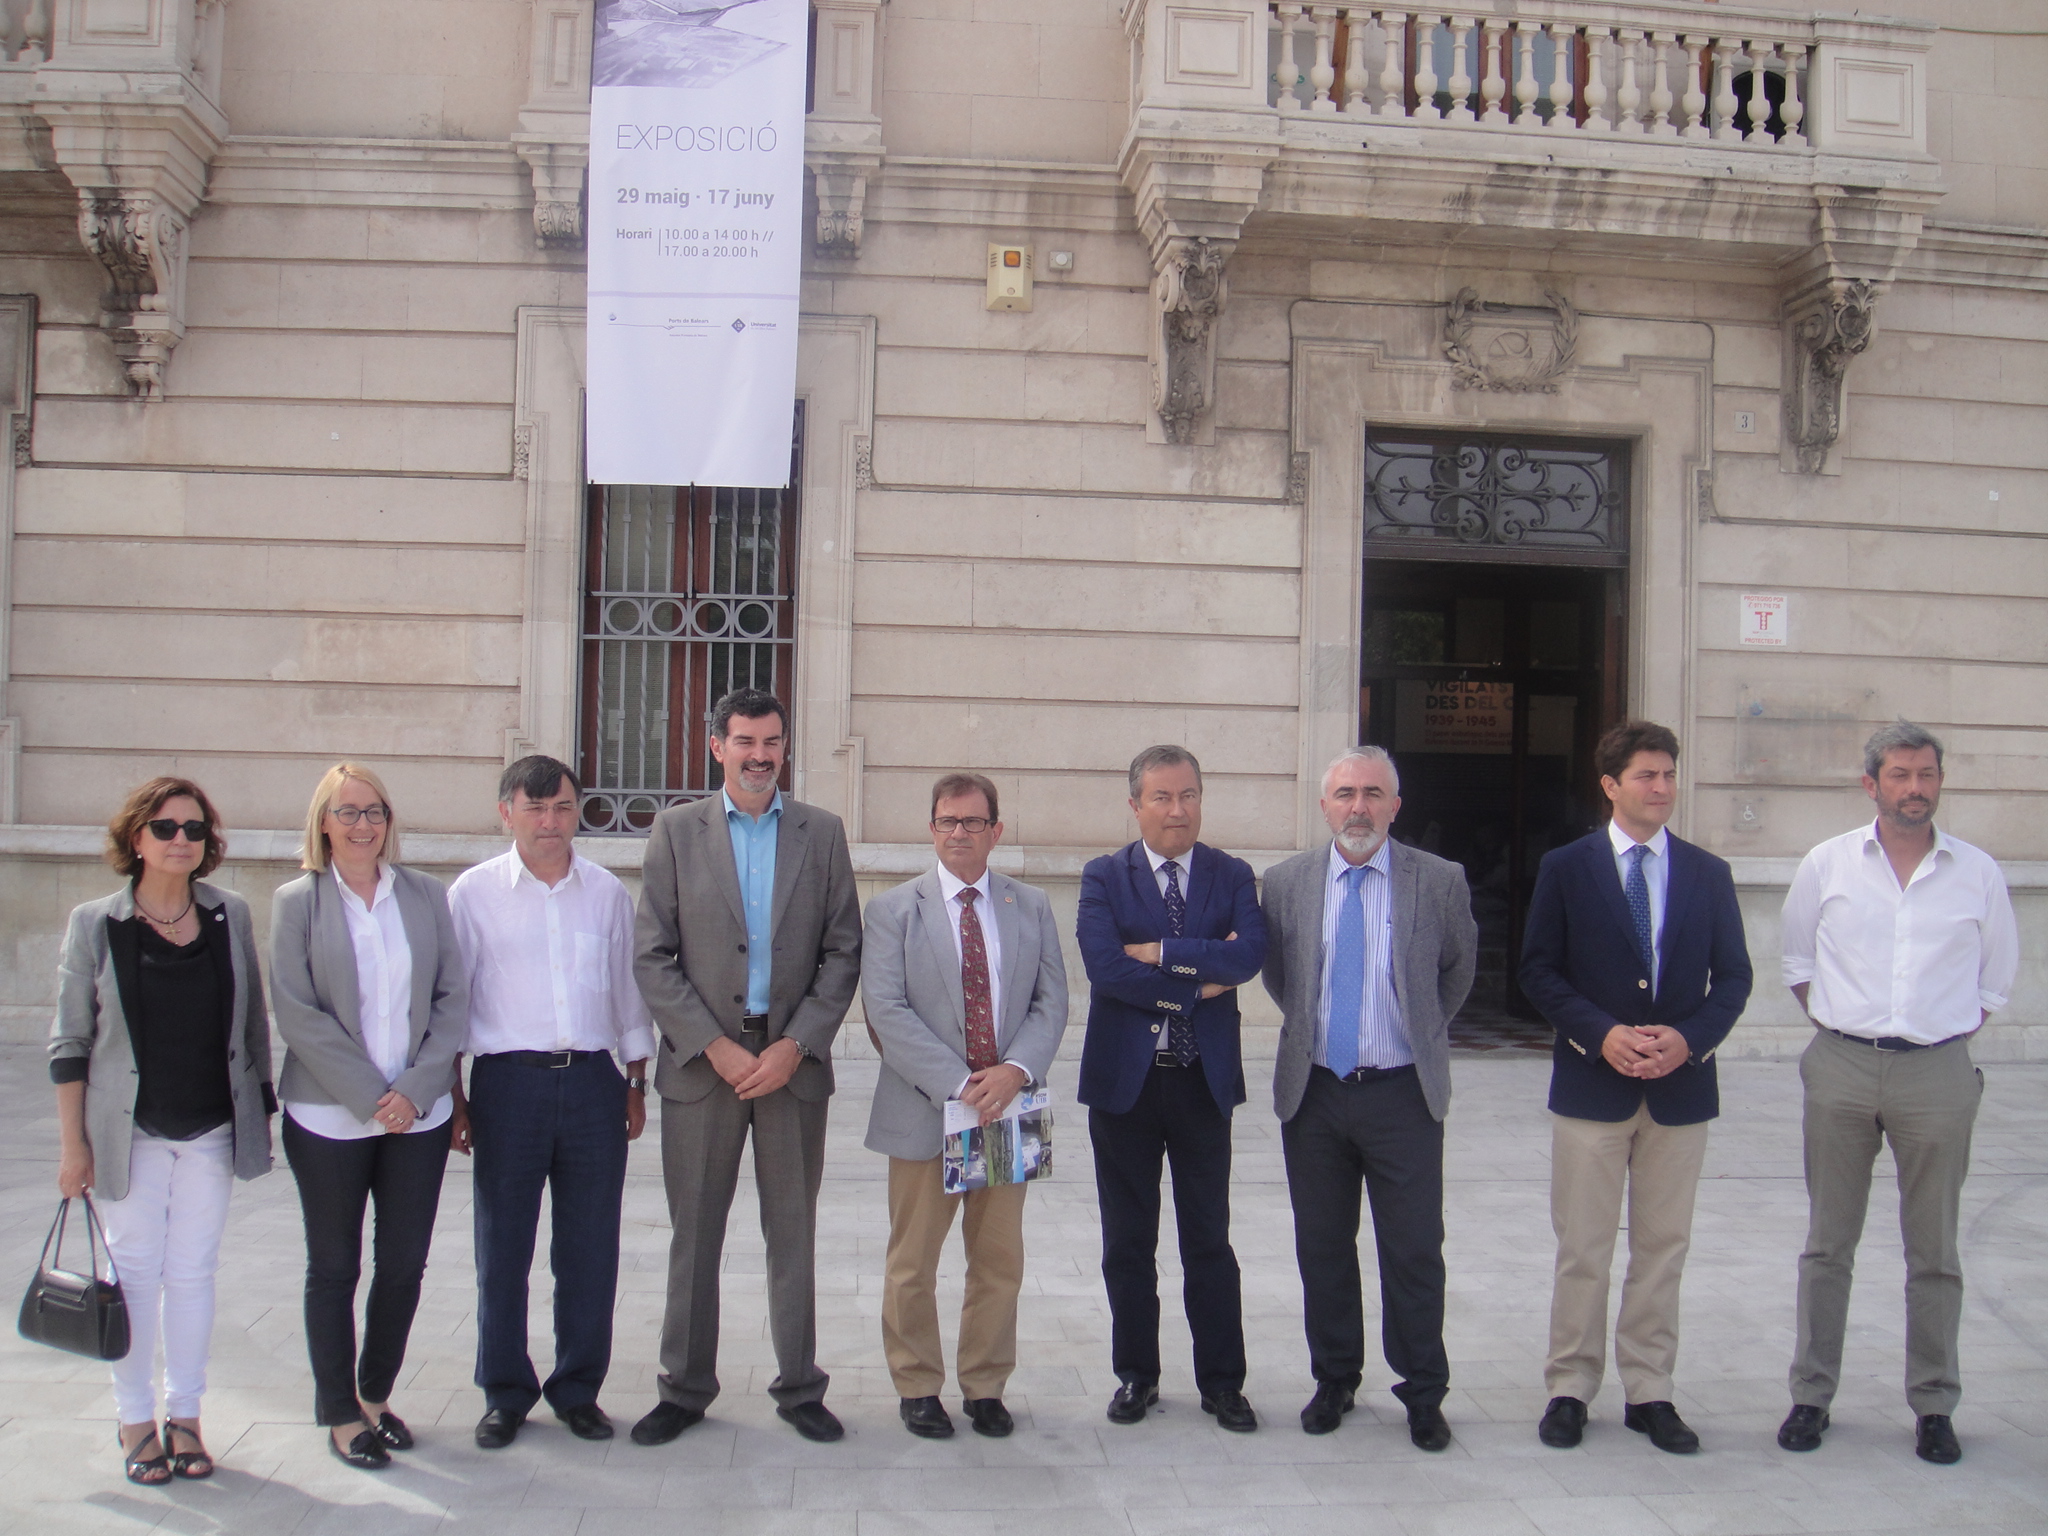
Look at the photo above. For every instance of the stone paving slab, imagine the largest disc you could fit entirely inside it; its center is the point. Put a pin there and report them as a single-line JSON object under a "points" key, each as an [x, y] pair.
{"points": [[1067, 1472]]}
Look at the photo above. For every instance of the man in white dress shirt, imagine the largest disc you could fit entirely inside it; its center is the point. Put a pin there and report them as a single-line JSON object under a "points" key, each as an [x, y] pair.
{"points": [[548, 940], [1899, 942]]}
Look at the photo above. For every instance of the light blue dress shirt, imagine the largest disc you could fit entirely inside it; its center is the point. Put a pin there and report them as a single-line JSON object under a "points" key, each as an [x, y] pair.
{"points": [[1656, 876], [753, 856], [1382, 1032]]}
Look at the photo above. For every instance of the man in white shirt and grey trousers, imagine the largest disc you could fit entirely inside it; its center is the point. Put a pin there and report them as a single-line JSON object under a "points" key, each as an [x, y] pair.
{"points": [[1899, 942], [548, 940]]}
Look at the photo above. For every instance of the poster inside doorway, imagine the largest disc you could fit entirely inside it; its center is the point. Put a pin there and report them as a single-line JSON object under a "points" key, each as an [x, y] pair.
{"points": [[696, 216]]}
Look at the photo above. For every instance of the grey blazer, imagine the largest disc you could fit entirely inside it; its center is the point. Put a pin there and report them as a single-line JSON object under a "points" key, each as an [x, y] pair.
{"points": [[91, 1025], [1435, 947], [690, 943], [910, 985], [319, 1009]]}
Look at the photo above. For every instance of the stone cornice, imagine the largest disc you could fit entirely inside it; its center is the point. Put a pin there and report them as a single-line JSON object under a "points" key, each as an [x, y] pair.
{"points": [[372, 173], [923, 189]]}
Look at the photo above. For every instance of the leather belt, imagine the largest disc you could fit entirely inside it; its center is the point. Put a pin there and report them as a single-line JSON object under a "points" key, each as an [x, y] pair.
{"points": [[555, 1059], [1168, 1059], [753, 1023], [1369, 1074], [1894, 1045]]}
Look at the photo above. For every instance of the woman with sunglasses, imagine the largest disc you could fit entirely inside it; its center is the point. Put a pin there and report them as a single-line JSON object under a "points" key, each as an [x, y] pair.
{"points": [[161, 1057], [373, 1004]]}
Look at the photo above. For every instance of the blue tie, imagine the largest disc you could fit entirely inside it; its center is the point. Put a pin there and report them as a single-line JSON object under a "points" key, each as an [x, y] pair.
{"points": [[1347, 979], [1637, 889], [1180, 1031]]}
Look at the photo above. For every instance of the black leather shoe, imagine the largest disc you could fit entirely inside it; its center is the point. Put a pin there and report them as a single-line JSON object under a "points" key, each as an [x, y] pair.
{"points": [[365, 1452], [1660, 1421], [586, 1422], [1563, 1424], [390, 1428], [1231, 1412], [1326, 1410], [814, 1421], [1935, 1440], [1426, 1427], [498, 1429], [926, 1418], [1131, 1401], [664, 1422], [1802, 1428], [988, 1416]]}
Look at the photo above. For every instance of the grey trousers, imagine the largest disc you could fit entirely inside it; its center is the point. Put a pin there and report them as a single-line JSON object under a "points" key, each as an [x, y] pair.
{"points": [[1925, 1104], [700, 1165]]}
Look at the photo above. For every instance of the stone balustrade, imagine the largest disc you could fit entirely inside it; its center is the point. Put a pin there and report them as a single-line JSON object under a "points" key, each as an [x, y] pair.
{"points": [[25, 27]]}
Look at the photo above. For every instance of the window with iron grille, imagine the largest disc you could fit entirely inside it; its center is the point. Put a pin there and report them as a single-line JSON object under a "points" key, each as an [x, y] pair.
{"points": [[689, 592]]}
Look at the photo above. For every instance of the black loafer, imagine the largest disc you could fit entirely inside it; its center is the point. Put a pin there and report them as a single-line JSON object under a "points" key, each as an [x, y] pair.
{"points": [[664, 1422], [1326, 1410], [1563, 1424], [1427, 1429], [924, 1417], [1660, 1421], [498, 1428], [1231, 1412], [365, 1452], [814, 1421], [1802, 1428], [587, 1421], [390, 1428], [1131, 1401], [1935, 1440], [988, 1416]]}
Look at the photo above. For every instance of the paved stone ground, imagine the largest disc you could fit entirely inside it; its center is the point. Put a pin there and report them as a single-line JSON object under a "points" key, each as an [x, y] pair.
{"points": [[1067, 1471]]}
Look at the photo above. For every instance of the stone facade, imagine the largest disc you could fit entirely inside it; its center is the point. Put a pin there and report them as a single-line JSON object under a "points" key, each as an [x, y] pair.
{"points": [[295, 375]]}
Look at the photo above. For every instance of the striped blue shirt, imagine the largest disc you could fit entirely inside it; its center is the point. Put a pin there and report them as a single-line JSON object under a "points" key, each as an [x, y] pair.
{"points": [[1382, 1034]]}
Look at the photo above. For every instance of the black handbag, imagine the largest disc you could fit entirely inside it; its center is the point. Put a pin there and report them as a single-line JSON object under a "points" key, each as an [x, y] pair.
{"points": [[79, 1313]]}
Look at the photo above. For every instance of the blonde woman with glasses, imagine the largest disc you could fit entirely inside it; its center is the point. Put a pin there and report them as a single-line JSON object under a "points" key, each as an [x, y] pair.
{"points": [[373, 1004], [161, 1057]]}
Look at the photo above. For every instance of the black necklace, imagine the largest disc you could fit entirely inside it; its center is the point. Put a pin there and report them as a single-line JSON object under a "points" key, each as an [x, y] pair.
{"points": [[166, 926]]}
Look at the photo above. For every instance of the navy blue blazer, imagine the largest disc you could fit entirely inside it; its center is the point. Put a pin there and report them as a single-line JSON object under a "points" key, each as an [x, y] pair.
{"points": [[1130, 1003], [1581, 967]]}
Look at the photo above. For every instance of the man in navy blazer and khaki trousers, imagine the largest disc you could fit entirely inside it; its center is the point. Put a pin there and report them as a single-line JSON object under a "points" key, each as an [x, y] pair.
{"points": [[1168, 928], [1634, 952]]}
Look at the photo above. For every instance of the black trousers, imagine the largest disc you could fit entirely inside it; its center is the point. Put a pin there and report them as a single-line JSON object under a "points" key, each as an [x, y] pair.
{"points": [[1175, 1121], [562, 1129], [402, 1174], [1378, 1132]]}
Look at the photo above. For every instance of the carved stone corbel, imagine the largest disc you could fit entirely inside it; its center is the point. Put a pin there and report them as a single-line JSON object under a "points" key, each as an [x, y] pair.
{"points": [[559, 168], [842, 190], [554, 125], [1824, 338], [842, 134], [140, 240], [1191, 290]]}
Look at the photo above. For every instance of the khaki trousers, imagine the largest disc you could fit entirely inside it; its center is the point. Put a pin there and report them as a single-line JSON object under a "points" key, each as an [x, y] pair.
{"points": [[920, 1216], [1590, 1160], [1925, 1104]]}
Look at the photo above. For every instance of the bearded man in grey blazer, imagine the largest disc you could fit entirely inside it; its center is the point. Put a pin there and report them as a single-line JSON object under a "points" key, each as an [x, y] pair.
{"points": [[966, 998], [1370, 951], [747, 951]]}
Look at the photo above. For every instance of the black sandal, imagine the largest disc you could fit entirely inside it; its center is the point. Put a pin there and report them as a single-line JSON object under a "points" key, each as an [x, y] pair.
{"points": [[187, 1464], [136, 1466]]}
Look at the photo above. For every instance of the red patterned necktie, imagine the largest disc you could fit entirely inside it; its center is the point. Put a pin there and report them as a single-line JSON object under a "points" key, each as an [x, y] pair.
{"points": [[981, 1016]]}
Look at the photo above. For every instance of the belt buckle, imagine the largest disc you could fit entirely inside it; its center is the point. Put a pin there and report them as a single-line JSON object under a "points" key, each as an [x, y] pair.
{"points": [[562, 1058], [758, 1027], [1165, 1059]]}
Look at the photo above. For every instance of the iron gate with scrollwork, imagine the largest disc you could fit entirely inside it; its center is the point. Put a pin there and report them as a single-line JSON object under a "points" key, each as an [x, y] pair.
{"points": [[1475, 496], [690, 592]]}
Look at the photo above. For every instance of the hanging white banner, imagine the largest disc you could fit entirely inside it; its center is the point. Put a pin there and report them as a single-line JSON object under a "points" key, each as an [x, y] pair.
{"points": [[696, 217]]}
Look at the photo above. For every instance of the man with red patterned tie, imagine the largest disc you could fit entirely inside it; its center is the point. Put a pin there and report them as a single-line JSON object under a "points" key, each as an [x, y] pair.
{"points": [[966, 999]]}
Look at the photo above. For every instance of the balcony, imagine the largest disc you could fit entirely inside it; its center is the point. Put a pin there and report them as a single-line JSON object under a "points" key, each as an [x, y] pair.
{"points": [[1797, 143]]}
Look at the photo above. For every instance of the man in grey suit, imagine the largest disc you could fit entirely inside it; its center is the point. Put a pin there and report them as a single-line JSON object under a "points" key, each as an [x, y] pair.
{"points": [[966, 996], [1370, 951], [747, 950]]}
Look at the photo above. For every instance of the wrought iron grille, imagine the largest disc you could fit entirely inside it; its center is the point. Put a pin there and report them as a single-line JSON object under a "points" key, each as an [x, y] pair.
{"points": [[690, 593], [1477, 497]]}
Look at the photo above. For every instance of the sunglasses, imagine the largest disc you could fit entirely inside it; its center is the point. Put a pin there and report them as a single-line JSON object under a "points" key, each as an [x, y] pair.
{"points": [[165, 830]]}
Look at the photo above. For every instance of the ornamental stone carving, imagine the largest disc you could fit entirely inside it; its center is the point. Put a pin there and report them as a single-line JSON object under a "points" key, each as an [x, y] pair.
{"points": [[1824, 339], [140, 241], [553, 137], [1191, 290], [1514, 349]]}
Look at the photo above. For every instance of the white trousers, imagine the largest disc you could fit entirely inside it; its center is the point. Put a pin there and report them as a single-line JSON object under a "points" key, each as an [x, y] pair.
{"points": [[165, 1239]]}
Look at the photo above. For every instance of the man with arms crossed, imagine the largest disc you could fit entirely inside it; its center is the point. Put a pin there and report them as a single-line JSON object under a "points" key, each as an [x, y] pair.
{"points": [[1371, 951], [1169, 928], [748, 952], [547, 939], [1899, 943], [1633, 950], [966, 996]]}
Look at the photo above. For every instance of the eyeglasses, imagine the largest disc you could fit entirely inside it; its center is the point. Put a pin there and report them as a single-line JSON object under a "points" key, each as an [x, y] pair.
{"points": [[349, 815], [973, 826], [165, 830]]}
